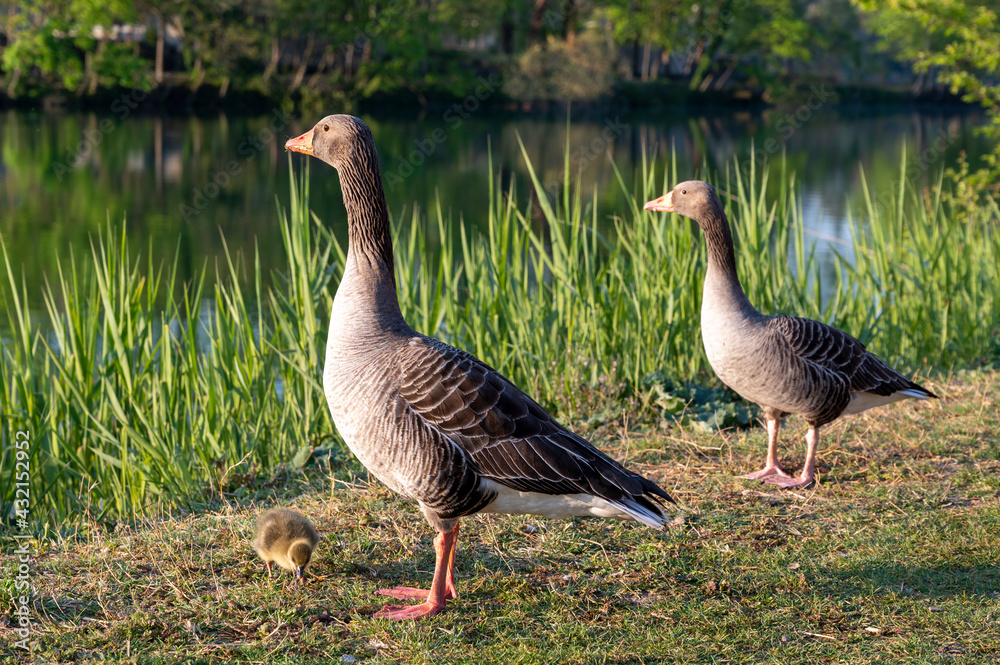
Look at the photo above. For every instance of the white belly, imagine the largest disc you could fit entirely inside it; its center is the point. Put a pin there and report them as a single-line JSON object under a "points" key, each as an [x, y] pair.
{"points": [[513, 502]]}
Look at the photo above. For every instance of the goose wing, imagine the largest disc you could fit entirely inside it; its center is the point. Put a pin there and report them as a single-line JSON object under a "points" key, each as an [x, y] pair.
{"points": [[842, 357], [505, 435]]}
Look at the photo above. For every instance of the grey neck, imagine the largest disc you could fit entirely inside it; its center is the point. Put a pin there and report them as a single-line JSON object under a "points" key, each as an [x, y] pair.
{"points": [[369, 276], [721, 277]]}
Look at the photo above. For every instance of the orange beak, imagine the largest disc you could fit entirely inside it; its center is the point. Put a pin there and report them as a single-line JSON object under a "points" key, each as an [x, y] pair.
{"points": [[663, 204], [303, 144]]}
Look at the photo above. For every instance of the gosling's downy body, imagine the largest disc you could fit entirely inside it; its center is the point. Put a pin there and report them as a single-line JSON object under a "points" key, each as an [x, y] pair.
{"points": [[433, 422], [786, 364], [286, 538]]}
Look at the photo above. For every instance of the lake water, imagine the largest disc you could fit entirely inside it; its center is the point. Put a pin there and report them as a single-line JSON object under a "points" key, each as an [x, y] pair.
{"points": [[184, 182]]}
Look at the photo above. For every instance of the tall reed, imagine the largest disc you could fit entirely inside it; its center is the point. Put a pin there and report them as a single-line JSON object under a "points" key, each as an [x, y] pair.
{"points": [[140, 391]]}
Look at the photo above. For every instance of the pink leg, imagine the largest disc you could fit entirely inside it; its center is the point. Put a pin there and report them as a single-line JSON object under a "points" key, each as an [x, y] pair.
{"points": [[442, 587], [808, 469], [771, 469]]}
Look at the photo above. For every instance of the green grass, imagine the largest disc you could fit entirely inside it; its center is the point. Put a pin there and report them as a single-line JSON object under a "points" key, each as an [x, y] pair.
{"points": [[142, 394], [893, 556]]}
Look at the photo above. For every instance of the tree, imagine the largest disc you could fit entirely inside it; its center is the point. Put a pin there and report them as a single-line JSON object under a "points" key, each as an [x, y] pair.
{"points": [[644, 24], [955, 40], [713, 36], [762, 33], [72, 43]]}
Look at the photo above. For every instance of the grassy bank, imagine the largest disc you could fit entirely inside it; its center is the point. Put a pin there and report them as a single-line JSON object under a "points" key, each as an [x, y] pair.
{"points": [[133, 407], [892, 557]]}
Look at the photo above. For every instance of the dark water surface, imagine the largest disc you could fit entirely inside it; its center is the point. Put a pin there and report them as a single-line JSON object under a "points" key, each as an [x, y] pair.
{"points": [[184, 182]]}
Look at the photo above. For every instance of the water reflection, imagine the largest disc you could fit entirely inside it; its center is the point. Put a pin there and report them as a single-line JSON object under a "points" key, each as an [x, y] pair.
{"points": [[183, 183]]}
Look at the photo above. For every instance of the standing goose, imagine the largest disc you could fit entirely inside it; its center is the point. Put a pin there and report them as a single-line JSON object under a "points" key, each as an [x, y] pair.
{"points": [[785, 364], [433, 422]]}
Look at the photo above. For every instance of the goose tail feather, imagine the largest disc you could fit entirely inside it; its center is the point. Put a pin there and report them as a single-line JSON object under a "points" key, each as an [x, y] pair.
{"points": [[647, 508], [918, 393], [650, 515]]}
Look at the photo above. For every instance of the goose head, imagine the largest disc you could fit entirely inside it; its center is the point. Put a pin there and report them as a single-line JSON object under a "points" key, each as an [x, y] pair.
{"points": [[335, 139], [693, 198]]}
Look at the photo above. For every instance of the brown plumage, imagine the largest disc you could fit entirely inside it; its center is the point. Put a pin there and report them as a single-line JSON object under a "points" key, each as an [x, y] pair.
{"points": [[433, 422], [787, 365], [286, 538]]}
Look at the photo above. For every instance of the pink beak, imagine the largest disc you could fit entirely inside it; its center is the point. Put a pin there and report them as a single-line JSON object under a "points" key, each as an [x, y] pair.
{"points": [[303, 144], [662, 204]]}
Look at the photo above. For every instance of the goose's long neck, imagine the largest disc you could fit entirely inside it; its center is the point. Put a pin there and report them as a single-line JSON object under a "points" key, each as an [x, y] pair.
{"points": [[367, 292], [722, 285]]}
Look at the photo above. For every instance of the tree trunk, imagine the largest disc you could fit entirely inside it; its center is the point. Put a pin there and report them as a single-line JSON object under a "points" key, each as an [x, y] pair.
{"points": [[507, 36], [569, 26], [694, 58], [664, 68], [272, 64], [197, 73], [161, 34], [87, 59], [12, 84], [325, 61], [729, 72], [306, 56], [705, 61], [537, 14], [349, 61]]}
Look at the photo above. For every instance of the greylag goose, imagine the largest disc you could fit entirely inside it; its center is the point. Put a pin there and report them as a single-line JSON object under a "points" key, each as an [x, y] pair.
{"points": [[435, 423], [787, 365], [286, 538]]}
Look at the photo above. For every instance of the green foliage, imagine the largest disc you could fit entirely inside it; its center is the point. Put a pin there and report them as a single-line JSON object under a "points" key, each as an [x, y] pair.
{"points": [[313, 53], [957, 41], [706, 409], [69, 42], [223, 39], [643, 20], [717, 36]]}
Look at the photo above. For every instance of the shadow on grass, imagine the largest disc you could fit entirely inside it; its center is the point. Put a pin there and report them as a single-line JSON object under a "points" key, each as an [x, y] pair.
{"points": [[918, 581]]}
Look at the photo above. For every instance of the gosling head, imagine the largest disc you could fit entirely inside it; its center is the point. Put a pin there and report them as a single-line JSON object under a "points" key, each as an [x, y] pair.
{"points": [[299, 554]]}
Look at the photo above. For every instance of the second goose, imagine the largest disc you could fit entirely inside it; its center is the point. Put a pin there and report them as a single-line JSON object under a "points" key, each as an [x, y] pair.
{"points": [[786, 364]]}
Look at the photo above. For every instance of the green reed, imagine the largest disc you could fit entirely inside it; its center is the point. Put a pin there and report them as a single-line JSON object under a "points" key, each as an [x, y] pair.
{"points": [[142, 392]]}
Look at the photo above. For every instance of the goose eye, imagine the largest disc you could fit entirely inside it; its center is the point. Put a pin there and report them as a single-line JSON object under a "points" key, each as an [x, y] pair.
{"points": [[684, 191], [326, 128]]}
